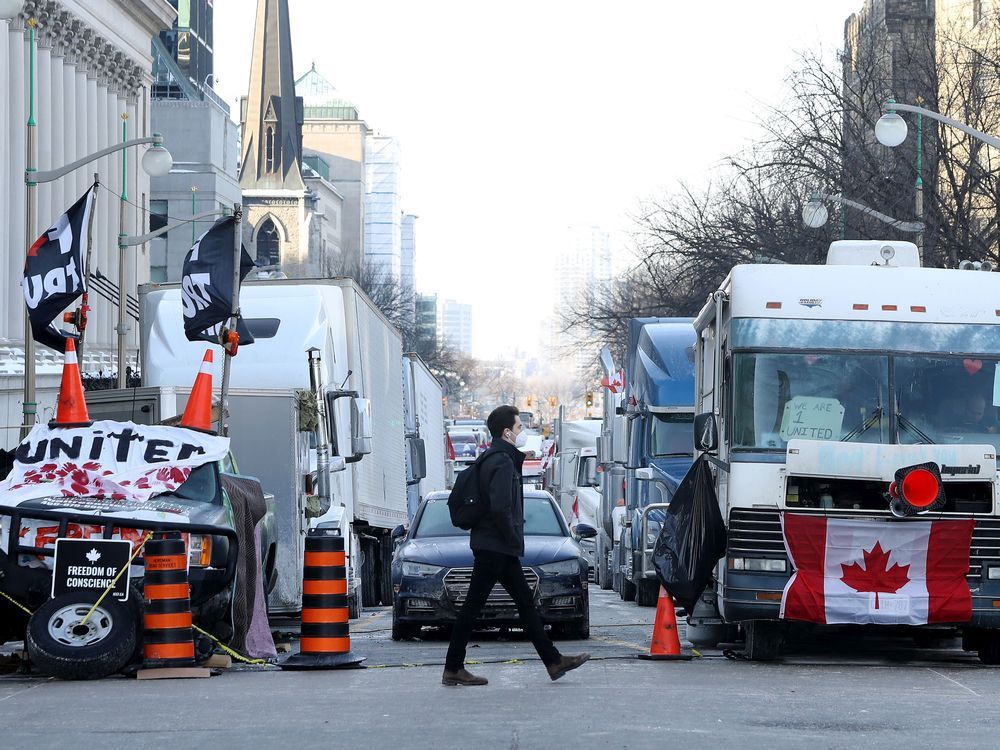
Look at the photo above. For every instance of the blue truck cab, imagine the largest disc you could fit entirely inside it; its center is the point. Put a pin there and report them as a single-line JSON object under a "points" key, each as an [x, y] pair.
{"points": [[659, 410]]}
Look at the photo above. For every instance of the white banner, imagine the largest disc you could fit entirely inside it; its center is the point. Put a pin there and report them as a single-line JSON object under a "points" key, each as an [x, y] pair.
{"points": [[121, 462]]}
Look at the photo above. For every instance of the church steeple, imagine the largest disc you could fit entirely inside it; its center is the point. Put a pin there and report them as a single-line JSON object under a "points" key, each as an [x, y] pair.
{"points": [[271, 113]]}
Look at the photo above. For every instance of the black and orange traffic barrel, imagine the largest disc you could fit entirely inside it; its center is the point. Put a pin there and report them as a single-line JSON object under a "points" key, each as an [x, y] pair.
{"points": [[326, 637], [168, 639]]}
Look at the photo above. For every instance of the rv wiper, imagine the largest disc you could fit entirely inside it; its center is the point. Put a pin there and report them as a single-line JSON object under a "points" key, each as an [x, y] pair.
{"points": [[874, 418], [904, 422]]}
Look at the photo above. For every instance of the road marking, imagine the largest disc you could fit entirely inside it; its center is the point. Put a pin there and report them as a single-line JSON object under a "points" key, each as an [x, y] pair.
{"points": [[615, 642], [20, 692], [955, 681]]}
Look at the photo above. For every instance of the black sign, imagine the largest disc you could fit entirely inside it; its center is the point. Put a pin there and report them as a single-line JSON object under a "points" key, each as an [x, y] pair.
{"points": [[207, 284], [91, 565], [54, 273]]}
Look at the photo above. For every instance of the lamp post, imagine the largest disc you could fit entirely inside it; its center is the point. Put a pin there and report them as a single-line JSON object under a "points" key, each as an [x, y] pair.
{"points": [[891, 130], [814, 213], [156, 161]]}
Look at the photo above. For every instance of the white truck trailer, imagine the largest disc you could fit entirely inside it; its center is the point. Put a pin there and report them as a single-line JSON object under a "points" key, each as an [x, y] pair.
{"points": [[423, 414], [825, 386], [577, 486], [358, 483]]}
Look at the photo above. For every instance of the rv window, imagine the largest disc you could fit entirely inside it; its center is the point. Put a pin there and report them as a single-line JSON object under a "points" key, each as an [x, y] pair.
{"points": [[263, 328], [947, 400], [780, 397]]}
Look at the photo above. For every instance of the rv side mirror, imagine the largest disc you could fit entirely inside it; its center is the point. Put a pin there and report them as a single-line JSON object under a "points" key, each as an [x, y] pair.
{"points": [[418, 459], [706, 433], [361, 427]]}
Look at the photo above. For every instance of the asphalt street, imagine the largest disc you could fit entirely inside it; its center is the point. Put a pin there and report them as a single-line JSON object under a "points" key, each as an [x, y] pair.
{"points": [[840, 692]]}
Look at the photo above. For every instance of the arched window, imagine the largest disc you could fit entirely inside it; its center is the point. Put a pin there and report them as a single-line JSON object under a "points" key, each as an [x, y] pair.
{"points": [[268, 244], [269, 149]]}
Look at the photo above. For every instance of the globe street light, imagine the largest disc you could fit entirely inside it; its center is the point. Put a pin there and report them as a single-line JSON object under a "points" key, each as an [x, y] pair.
{"points": [[890, 130], [157, 161], [814, 213]]}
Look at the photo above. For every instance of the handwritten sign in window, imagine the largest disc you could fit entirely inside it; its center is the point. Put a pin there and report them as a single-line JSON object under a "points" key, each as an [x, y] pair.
{"points": [[812, 418]]}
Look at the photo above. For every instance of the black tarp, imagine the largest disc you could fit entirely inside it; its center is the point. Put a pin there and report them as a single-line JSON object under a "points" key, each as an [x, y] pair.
{"points": [[692, 538]]}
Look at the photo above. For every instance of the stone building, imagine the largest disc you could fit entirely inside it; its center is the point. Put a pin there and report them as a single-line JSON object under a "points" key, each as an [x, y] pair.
{"points": [[93, 66], [292, 210]]}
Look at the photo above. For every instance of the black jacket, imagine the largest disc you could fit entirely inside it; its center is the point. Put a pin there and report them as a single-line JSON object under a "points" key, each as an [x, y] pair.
{"points": [[500, 480]]}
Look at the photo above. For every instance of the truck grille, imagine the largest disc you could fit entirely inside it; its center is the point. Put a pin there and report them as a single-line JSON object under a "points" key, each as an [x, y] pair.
{"points": [[758, 531], [456, 583]]}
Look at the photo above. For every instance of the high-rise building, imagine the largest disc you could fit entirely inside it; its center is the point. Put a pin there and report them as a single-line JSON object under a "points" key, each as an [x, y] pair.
{"points": [[408, 259], [455, 325], [292, 210], [426, 331], [204, 140], [383, 217]]}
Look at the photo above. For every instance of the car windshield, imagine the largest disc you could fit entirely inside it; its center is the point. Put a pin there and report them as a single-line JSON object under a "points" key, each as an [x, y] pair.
{"points": [[780, 397], [539, 519], [950, 400], [671, 435], [201, 485], [462, 439]]}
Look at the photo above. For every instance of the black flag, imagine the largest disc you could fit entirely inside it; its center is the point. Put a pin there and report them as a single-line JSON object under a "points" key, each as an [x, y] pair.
{"points": [[54, 273], [207, 284]]}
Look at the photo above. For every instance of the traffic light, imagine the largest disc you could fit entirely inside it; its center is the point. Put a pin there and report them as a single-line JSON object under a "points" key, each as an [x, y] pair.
{"points": [[529, 400], [590, 399]]}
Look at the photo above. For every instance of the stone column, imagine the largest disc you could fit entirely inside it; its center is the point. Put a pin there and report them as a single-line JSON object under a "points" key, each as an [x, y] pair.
{"points": [[6, 85], [17, 61]]}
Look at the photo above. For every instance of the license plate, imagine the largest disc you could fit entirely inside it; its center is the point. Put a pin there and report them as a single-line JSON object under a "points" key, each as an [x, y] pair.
{"points": [[91, 565]]}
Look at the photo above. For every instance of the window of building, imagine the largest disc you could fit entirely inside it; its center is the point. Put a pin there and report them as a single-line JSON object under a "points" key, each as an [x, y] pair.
{"points": [[157, 215], [268, 244], [269, 149], [158, 274]]}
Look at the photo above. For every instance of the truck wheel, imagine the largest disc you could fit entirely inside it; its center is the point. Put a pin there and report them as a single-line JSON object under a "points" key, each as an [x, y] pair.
{"points": [[763, 640], [60, 646], [573, 631], [989, 648], [603, 566], [628, 590], [385, 570], [647, 592], [369, 574]]}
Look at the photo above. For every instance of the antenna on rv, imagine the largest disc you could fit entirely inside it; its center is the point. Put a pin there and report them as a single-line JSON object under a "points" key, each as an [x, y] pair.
{"points": [[349, 373]]}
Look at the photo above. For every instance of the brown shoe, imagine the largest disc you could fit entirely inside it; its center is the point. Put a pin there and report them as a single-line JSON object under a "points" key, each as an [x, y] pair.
{"points": [[463, 677], [565, 664]]}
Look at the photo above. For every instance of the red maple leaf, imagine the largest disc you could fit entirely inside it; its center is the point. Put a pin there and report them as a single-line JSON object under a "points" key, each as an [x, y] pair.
{"points": [[876, 576]]}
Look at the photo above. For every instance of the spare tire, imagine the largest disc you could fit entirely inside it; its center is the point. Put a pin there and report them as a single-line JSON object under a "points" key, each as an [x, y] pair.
{"points": [[61, 646]]}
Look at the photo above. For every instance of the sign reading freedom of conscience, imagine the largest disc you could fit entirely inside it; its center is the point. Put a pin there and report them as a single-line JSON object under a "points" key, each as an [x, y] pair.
{"points": [[91, 565], [812, 418]]}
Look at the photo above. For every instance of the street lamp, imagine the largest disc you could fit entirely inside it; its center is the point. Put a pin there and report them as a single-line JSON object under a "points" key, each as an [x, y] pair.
{"points": [[890, 130], [814, 213], [157, 161]]}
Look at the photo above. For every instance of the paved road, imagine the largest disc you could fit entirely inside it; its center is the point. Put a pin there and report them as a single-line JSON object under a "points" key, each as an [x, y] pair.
{"points": [[843, 693]]}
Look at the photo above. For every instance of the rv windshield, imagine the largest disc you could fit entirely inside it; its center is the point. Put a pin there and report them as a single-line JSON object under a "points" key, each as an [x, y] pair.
{"points": [[671, 435], [780, 397], [947, 400]]}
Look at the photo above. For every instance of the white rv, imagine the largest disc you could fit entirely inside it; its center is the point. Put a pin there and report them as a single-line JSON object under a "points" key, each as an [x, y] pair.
{"points": [[826, 384]]}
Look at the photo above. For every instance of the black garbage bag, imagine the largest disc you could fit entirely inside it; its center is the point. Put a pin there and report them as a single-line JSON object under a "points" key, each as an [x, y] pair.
{"points": [[692, 538]]}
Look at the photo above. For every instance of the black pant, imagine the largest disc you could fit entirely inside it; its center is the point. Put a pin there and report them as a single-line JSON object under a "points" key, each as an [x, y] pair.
{"points": [[491, 568]]}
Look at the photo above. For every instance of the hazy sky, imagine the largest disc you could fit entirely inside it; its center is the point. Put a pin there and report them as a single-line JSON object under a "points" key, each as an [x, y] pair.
{"points": [[518, 119]]}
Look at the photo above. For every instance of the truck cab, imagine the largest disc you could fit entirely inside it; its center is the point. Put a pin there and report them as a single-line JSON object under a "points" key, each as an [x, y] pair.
{"points": [[825, 382], [657, 409]]}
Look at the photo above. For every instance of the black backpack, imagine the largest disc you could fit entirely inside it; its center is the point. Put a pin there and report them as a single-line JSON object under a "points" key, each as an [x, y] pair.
{"points": [[466, 504]]}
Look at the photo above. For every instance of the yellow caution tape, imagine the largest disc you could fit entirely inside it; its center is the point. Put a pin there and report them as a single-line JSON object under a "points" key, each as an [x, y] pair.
{"points": [[235, 654], [697, 653], [16, 603], [114, 581]]}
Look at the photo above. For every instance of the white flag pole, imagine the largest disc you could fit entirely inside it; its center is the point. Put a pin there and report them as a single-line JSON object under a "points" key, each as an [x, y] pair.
{"points": [[226, 357]]}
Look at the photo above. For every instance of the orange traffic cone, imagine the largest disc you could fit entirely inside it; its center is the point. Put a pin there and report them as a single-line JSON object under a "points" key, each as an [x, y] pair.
{"points": [[198, 412], [72, 409], [666, 645]]}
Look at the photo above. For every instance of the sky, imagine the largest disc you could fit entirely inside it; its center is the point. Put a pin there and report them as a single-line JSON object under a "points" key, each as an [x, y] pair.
{"points": [[519, 119]]}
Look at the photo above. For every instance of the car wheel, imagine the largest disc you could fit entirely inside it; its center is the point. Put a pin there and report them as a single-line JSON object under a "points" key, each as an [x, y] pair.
{"points": [[404, 631], [574, 631], [603, 567], [647, 592], [989, 648], [60, 645], [763, 640]]}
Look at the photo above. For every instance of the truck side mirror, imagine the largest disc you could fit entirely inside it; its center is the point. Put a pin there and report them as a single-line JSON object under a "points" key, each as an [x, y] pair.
{"points": [[619, 442], [706, 433], [590, 472], [603, 450], [418, 459], [361, 427]]}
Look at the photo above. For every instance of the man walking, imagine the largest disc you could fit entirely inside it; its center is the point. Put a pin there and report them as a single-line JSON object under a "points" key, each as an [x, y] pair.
{"points": [[497, 543]]}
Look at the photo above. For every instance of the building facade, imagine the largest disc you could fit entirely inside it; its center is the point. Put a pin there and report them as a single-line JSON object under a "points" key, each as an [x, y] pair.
{"points": [[93, 65], [383, 214], [455, 325], [583, 263], [408, 261]]}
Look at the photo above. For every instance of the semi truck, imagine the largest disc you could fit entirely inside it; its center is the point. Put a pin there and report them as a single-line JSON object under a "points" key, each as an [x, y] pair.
{"points": [[577, 480], [423, 416], [647, 448], [823, 391], [316, 411]]}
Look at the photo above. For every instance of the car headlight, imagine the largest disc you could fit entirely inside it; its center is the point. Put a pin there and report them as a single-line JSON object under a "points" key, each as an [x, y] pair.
{"points": [[199, 551], [421, 570], [563, 568]]}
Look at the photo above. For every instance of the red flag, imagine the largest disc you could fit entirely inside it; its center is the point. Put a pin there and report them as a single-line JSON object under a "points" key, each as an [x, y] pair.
{"points": [[616, 383], [451, 448], [862, 572]]}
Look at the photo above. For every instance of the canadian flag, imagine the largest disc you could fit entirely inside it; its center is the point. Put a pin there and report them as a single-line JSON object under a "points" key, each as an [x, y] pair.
{"points": [[615, 383], [876, 572]]}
